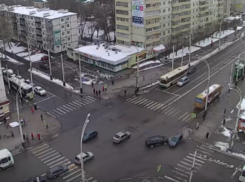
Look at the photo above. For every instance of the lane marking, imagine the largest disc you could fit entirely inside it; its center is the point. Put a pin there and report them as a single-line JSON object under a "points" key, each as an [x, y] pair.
{"points": [[183, 116], [57, 112], [45, 99], [64, 161], [164, 91], [205, 149], [208, 153], [196, 160], [61, 110], [56, 161], [47, 161], [43, 152], [171, 179], [191, 161], [43, 159], [41, 149], [180, 178], [198, 156], [182, 170], [176, 113], [187, 164], [74, 177], [180, 174], [38, 147]]}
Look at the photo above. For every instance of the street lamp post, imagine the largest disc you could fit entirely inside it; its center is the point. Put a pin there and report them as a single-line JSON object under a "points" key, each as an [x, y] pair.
{"points": [[238, 90], [190, 48], [63, 72], [81, 143], [18, 113], [28, 49], [80, 74], [50, 66], [219, 34]]}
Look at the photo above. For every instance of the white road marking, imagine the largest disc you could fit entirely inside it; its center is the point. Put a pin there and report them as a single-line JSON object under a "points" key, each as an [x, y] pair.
{"points": [[45, 99], [142, 99], [41, 149], [43, 152], [182, 170], [180, 178], [197, 160], [191, 161], [180, 174], [237, 169], [153, 105], [188, 115], [51, 114], [62, 162], [61, 110], [174, 114], [77, 171], [87, 101], [48, 155], [143, 103], [131, 99], [57, 112], [183, 116], [171, 179], [205, 149], [169, 111], [208, 153], [40, 146], [80, 103], [149, 103], [56, 161], [89, 179], [159, 107], [68, 107], [73, 105], [52, 159], [198, 156]]}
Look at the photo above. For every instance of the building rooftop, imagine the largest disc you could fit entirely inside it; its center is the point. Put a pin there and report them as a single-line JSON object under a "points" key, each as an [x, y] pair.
{"points": [[36, 12], [112, 54]]}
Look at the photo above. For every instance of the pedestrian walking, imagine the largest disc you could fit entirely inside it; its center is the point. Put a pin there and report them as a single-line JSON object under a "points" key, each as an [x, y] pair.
{"points": [[207, 135], [224, 121], [38, 136], [212, 43], [41, 116], [32, 136], [92, 84], [204, 115], [24, 137], [103, 89], [99, 94], [5, 121], [112, 82], [32, 110], [94, 92], [12, 133], [125, 93], [197, 127], [225, 111]]}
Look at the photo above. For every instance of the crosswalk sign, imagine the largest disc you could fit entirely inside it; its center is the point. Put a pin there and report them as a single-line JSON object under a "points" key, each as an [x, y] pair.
{"points": [[193, 115], [159, 168]]}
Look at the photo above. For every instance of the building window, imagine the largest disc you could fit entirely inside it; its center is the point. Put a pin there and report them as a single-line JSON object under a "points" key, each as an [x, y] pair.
{"points": [[123, 35], [121, 27], [68, 25], [63, 33], [121, 12], [62, 26], [122, 4], [69, 38], [67, 18], [122, 19], [68, 32], [62, 19]]}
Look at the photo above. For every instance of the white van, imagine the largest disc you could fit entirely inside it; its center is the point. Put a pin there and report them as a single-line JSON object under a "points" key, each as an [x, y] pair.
{"points": [[6, 159]]}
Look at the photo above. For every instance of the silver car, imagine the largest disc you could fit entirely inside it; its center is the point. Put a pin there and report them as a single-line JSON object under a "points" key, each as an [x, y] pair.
{"points": [[87, 156], [183, 81], [121, 136]]}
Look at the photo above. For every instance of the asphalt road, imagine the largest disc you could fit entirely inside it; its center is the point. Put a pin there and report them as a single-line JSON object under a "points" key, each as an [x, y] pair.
{"points": [[131, 158]]}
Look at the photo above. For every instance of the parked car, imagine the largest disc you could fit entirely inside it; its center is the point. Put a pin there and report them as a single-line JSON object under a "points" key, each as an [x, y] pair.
{"points": [[44, 58], [39, 90], [191, 70], [34, 179], [175, 140], [56, 171], [120, 137], [44, 65], [156, 141], [87, 156], [183, 81], [89, 135]]}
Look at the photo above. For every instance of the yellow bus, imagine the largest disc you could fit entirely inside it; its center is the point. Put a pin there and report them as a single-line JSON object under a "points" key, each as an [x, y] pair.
{"points": [[214, 93], [173, 77]]}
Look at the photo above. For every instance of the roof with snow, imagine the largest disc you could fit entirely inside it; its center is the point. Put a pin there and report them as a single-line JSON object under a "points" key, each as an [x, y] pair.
{"points": [[112, 54], [36, 12]]}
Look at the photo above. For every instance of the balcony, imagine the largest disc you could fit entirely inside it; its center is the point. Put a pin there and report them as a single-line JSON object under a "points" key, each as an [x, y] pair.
{"points": [[181, 2]]}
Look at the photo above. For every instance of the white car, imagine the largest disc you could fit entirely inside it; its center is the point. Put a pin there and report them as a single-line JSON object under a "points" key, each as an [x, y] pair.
{"points": [[121, 136], [87, 156], [40, 91]]}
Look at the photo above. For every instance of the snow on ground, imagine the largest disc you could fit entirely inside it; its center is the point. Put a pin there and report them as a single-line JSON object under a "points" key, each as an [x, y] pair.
{"points": [[147, 63], [13, 48], [225, 131], [87, 80], [13, 60], [35, 57], [149, 85], [239, 28], [222, 145], [151, 67], [185, 52], [223, 34], [23, 54], [47, 77], [206, 42], [238, 155]]}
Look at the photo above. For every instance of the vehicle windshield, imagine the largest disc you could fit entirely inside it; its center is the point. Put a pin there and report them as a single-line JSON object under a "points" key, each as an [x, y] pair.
{"points": [[117, 136], [85, 135], [174, 139], [77, 159], [181, 80], [27, 90], [41, 89]]}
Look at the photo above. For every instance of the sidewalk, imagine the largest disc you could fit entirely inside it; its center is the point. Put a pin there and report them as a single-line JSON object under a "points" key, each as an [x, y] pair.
{"points": [[33, 124]]}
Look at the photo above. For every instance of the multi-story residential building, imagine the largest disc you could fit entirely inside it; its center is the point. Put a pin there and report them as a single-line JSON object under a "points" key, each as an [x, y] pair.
{"points": [[43, 28], [227, 8], [151, 23], [238, 6]]}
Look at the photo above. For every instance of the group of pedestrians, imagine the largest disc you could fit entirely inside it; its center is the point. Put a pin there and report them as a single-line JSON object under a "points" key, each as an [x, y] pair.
{"points": [[97, 94]]}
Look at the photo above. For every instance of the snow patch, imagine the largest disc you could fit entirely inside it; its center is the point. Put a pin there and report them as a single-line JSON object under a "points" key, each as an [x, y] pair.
{"points": [[47, 77], [222, 145], [150, 85], [147, 63], [206, 42], [185, 52], [239, 28], [222, 34], [35, 57], [13, 60], [238, 155], [151, 67], [23, 54], [14, 48], [225, 131]]}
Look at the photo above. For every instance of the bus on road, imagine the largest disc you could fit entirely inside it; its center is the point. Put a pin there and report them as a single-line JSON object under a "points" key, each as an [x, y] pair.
{"points": [[26, 89], [214, 93], [173, 77]]}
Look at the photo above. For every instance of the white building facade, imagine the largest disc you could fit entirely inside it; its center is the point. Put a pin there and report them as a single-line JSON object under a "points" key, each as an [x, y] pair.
{"points": [[43, 28]]}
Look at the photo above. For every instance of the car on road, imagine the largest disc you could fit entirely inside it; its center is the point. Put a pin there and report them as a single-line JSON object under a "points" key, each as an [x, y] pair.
{"points": [[44, 58], [175, 140], [87, 156], [183, 81], [34, 179], [191, 70], [56, 171], [90, 135], [44, 65], [39, 90], [155, 141], [120, 137]]}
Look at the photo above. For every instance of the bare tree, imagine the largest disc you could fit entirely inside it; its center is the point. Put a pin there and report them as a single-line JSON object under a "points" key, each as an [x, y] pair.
{"points": [[6, 30]]}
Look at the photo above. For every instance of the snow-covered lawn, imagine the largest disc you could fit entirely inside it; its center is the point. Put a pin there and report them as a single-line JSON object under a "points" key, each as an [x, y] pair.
{"points": [[147, 63], [13, 48], [185, 52], [23, 54], [239, 28], [12, 60], [35, 57], [222, 34], [206, 42], [222, 145], [47, 77]]}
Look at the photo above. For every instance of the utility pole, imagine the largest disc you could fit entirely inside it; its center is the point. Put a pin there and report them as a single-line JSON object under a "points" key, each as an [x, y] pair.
{"points": [[8, 77], [50, 66], [63, 72], [28, 48], [173, 59], [219, 34], [190, 48], [193, 166], [80, 74], [182, 59]]}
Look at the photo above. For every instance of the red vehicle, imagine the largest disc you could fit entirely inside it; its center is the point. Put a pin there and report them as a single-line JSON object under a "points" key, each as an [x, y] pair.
{"points": [[44, 58]]}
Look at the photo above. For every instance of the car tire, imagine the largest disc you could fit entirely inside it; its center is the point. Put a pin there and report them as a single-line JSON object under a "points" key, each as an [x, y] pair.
{"points": [[152, 146], [165, 143]]}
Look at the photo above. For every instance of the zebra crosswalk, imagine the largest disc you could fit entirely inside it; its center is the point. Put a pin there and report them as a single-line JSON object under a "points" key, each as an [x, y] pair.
{"points": [[160, 108], [50, 157], [182, 172], [72, 106]]}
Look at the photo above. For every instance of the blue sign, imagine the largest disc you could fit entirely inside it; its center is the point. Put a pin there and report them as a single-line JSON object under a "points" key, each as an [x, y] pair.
{"points": [[138, 20]]}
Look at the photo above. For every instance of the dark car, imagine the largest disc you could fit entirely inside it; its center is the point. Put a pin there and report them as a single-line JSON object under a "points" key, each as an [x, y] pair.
{"points": [[191, 70], [175, 140], [156, 141], [56, 171], [44, 65], [34, 179], [90, 135], [44, 58]]}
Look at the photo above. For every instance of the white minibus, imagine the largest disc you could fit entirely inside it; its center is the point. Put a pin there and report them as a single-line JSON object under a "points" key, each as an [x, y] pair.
{"points": [[6, 159]]}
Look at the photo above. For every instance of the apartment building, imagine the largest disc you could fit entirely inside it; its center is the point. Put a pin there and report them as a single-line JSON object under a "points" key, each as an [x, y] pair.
{"points": [[227, 8], [43, 28], [43, 3], [150, 23], [238, 6]]}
